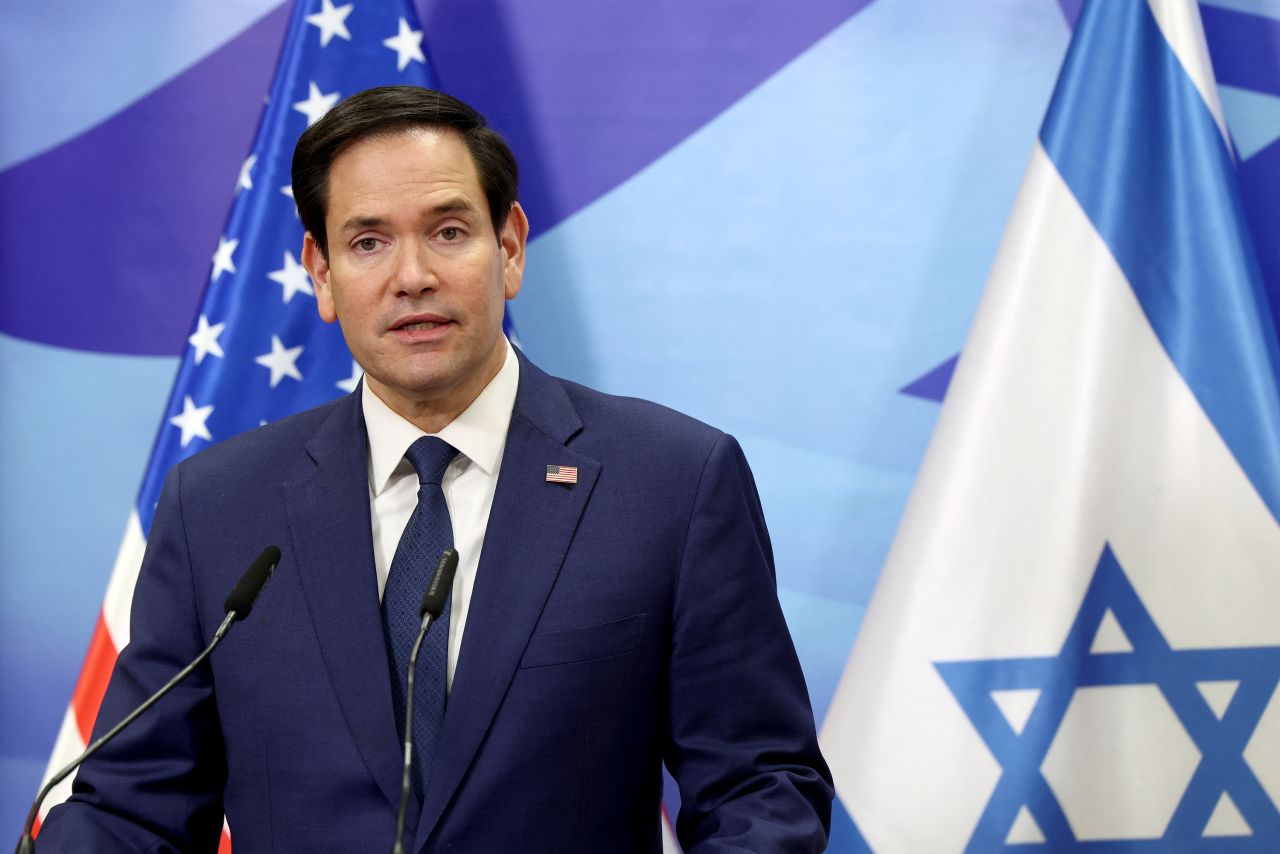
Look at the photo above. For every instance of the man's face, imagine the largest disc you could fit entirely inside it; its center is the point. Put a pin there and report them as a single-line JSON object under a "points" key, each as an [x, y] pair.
{"points": [[415, 274]]}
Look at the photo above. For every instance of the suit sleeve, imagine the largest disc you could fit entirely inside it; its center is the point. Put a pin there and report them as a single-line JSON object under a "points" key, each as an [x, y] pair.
{"points": [[156, 787], [743, 746]]}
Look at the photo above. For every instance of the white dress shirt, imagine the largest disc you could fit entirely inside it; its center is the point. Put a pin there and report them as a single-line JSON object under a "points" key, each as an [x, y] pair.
{"points": [[480, 435]]}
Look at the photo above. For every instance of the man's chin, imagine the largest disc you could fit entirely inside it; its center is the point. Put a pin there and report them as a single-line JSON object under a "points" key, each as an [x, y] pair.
{"points": [[417, 387], [427, 388]]}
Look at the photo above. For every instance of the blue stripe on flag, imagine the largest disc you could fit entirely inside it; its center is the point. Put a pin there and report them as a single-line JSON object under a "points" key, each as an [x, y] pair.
{"points": [[1133, 139]]}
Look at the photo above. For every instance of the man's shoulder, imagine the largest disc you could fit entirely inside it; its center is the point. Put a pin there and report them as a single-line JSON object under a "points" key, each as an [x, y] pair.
{"points": [[272, 448], [595, 406], [638, 429]]}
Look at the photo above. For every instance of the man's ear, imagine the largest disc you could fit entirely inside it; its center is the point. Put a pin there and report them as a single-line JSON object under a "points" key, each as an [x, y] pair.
{"points": [[512, 240], [318, 268]]}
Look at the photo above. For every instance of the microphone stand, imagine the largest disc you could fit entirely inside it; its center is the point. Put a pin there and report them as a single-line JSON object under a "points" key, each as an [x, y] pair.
{"points": [[433, 602], [237, 606], [398, 848], [26, 845]]}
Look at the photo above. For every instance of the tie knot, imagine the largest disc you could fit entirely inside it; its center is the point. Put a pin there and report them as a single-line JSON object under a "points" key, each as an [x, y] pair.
{"points": [[430, 456]]}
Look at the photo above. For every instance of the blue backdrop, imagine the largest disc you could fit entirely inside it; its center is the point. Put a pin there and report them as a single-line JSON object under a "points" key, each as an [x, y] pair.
{"points": [[779, 223]]}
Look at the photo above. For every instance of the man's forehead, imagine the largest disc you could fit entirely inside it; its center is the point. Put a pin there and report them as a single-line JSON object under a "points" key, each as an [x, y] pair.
{"points": [[432, 167], [419, 146]]}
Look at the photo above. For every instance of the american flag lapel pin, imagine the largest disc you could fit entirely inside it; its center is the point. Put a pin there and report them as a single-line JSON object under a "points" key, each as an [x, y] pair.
{"points": [[562, 474]]}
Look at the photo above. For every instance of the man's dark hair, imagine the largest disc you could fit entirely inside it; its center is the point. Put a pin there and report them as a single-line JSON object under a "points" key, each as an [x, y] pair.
{"points": [[385, 111]]}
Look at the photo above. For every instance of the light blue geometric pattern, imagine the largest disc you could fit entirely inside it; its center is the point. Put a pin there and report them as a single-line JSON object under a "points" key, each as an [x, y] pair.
{"points": [[1253, 117], [45, 50], [818, 249]]}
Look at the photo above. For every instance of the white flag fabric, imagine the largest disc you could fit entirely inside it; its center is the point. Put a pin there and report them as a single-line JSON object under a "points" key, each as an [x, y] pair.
{"points": [[1075, 641]]}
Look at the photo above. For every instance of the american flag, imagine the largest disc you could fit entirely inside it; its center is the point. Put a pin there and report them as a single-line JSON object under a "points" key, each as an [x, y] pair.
{"points": [[258, 350], [562, 474]]}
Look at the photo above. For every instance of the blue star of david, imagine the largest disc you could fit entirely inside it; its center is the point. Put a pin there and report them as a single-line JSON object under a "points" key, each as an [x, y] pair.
{"points": [[1221, 742]]}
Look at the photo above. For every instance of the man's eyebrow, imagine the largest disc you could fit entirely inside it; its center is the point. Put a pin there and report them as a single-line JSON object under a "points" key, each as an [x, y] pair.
{"points": [[455, 205], [358, 222], [448, 206]]}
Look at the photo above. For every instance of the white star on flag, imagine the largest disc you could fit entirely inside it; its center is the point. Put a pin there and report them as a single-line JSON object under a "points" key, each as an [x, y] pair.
{"points": [[331, 21], [192, 421], [293, 277], [245, 181], [205, 339], [282, 361], [407, 44], [349, 385], [317, 104], [222, 260]]}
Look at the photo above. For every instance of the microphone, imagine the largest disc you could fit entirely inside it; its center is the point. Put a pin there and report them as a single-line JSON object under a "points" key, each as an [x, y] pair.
{"points": [[432, 604], [241, 598], [237, 607], [440, 587]]}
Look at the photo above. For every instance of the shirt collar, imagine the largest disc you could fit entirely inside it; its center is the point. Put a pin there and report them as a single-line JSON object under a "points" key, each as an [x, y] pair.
{"points": [[479, 432]]}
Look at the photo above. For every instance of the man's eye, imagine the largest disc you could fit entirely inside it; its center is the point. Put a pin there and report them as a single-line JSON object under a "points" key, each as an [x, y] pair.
{"points": [[450, 233], [367, 244]]}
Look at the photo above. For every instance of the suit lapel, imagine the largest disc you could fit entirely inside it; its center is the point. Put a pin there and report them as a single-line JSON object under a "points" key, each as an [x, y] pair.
{"points": [[530, 527], [328, 513]]}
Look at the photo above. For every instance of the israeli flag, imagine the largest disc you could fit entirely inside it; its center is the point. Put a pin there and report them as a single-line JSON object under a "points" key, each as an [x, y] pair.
{"points": [[1075, 642]]}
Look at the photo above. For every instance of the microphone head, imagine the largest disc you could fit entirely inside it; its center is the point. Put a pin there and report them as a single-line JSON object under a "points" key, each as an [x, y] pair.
{"points": [[441, 583], [246, 591]]}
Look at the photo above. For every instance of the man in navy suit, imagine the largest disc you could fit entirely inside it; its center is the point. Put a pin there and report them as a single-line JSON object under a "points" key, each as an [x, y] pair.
{"points": [[610, 615]]}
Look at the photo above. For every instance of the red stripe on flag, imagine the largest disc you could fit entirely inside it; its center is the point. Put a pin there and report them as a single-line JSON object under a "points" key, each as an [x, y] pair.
{"points": [[98, 663]]}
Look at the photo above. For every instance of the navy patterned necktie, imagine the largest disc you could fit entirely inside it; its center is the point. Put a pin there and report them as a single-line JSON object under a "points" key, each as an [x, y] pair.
{"points": [[428, 533]]}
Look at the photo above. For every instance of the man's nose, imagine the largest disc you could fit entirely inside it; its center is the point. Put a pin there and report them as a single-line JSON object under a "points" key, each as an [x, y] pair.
{"points": [[415, 273]]}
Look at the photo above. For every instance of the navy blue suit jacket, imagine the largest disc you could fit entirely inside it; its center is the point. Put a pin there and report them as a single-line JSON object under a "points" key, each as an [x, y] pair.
{"points": [[623, 621]]}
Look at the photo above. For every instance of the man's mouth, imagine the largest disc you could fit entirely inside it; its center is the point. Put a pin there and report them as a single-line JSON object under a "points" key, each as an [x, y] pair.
{"points": [[420, 323]]}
